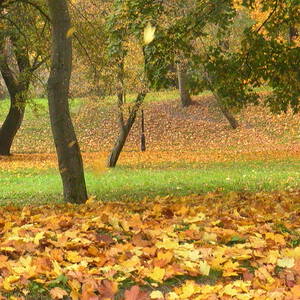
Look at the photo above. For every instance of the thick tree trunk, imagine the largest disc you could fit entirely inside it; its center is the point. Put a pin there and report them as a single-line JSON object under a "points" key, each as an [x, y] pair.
{"points": [[124, 130], [184, 93], [67, 148]]}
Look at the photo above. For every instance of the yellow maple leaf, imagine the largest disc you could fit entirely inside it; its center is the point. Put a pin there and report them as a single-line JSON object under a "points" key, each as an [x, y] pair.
{"points": [[188, 289], [73, 256], [56, 268], [204, 268], [157, 274], [167, 244], [149, 34], [172, 296], [9, 280], [39, 236], [156, 295], [209, 237], [286, 262], [167, 256], [229, 290], [131, 264]]}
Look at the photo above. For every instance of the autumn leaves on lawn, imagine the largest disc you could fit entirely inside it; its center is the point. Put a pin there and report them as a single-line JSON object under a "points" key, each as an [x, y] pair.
{"points": [[184, 248]]}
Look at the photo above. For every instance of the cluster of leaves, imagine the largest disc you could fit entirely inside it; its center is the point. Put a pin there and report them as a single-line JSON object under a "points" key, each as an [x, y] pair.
{"points": [[197, 247]]}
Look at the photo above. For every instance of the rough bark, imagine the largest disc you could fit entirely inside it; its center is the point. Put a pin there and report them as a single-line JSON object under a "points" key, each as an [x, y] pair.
{"points": [[67, 148], [17, 82], [184, 93], [125, 128]]}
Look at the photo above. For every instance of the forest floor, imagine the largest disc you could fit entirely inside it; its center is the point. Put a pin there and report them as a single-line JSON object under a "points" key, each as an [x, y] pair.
{"points": [[207, 212]]}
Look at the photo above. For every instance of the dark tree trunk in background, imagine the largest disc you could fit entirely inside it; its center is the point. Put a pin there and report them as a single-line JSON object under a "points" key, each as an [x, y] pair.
{"points": [[293, 34], [125, 128], [224, 44], [143, 137], [67, 148], [226, 112], [17, 82], [182, 85], [11, 125]]}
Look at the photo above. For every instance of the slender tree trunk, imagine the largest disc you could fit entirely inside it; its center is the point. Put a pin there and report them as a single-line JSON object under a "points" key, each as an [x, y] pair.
{"points": [[143, 137], [124, 129], [184, 93], [67, 148], [118, 147], [226, 112]]}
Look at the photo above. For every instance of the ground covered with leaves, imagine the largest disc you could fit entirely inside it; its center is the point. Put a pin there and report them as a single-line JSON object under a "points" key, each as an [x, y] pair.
{"points": [[169, 127], [214, 246]]}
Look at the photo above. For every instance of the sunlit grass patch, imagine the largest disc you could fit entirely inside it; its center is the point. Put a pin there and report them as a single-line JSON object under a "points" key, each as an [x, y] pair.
{"points": [[25, 186]]}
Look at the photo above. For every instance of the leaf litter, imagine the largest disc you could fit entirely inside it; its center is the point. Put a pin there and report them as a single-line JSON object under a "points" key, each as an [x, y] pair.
{"points": [[213, 246]]}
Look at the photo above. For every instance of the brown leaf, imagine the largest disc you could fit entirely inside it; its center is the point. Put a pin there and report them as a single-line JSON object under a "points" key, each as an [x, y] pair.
{"points": [[108, 289], [104, 238], [58, 293], [135, 293], [141, 240]]}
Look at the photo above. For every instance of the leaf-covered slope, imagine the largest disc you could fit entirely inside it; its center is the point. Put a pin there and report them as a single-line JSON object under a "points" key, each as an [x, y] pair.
{"points": [[169, 127]]}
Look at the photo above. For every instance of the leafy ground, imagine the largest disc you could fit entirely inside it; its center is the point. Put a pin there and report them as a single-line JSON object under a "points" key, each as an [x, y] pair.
{"points": [[169, 127], [242, 246], [206, 212]]}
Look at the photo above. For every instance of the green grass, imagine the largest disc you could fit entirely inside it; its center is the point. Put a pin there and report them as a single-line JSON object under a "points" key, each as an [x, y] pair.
{"points": [[39, 107], [34, 187], [36, 107]]}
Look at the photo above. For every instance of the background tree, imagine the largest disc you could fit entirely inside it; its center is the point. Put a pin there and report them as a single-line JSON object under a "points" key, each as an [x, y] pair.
{"points": [[126, 27], [270, 56], [23, 50]]}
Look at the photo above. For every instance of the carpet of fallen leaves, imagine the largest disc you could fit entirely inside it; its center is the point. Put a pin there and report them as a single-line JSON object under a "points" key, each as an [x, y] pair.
{"points": [[214, 246], [239, 246], [169, 127], [152, 158]]}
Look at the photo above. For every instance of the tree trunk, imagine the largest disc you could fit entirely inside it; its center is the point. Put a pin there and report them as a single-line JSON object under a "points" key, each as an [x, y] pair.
{"points": [[124, 130], [293, 34], [118, 147], [17, 88], [67, 148], [226, 112], [184, 93], [11, 125], [228, 115]]}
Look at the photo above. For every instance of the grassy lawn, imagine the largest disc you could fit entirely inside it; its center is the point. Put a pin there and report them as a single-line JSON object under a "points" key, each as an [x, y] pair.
{"points": [[32, 186]]}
